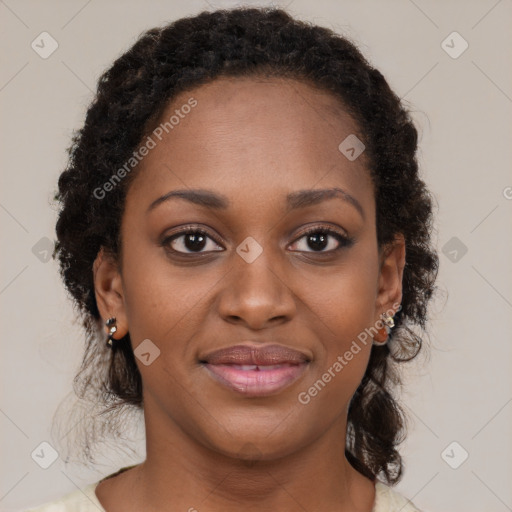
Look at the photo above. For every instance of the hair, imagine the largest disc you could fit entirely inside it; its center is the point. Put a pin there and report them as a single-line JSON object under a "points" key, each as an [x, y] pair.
{"points": [[132, 95]]}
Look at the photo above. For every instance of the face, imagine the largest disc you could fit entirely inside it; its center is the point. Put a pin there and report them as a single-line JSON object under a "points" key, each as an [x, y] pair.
{"points": [[277, 262]]}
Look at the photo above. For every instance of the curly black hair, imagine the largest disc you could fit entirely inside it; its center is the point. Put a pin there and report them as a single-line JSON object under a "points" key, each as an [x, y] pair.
{"points": [[131, 97]]}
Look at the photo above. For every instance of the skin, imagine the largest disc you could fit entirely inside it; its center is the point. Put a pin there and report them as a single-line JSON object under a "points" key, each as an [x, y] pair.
{"points": [[210, 448]]}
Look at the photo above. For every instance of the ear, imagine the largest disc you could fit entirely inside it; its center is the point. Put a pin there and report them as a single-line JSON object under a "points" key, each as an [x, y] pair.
{"points": [[108, 289], [392, 263]]}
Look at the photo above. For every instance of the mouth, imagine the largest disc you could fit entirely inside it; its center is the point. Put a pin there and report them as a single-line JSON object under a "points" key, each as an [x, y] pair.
{"points": [[256, 370]]}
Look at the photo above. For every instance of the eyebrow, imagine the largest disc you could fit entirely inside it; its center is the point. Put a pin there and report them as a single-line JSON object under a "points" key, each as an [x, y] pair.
{"points": [[294, 200]]}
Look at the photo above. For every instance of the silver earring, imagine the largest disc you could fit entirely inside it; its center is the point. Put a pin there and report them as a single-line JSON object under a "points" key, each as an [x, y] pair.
{"points": [[111, 324], [384, 331]]}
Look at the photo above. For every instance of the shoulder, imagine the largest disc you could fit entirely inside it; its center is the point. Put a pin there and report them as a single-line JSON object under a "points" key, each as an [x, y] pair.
{"points": [[81, 500], [85, 500], [389, 500]]}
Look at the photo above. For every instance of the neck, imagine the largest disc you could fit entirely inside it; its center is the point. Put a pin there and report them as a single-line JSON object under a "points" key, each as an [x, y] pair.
{"points": [[190, 476]]}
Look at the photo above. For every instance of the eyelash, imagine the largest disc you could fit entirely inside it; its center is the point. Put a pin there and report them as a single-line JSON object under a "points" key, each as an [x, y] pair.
{"points": [[343, 240]]}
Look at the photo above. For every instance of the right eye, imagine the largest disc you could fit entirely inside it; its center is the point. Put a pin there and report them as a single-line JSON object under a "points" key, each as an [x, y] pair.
{"points": [[189, 240]]}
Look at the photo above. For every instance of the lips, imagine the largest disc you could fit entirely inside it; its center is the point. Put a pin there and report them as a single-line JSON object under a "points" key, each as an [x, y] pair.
{"points": [[256, 355], [256, 370]]}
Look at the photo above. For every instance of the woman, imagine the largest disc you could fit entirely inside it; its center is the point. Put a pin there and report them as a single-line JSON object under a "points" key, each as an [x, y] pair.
{"points": [[243, 215]]}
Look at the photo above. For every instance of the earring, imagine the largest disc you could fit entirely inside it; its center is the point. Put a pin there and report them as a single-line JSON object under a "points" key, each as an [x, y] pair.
{"points": [[111, 324], [382, 334]]}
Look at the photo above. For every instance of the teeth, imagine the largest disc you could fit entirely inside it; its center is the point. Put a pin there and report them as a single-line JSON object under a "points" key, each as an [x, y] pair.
{"points": [[271, 367]]}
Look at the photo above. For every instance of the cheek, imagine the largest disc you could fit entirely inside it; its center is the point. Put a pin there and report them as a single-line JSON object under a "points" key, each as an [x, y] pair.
{"points": [[343, 362], [346, 307], [350, 314], [343, 359], [345, 299], [161, 298]]}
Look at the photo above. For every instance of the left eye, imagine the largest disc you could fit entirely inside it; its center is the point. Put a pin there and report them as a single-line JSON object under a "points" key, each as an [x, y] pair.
{"points": [[321, 239]]}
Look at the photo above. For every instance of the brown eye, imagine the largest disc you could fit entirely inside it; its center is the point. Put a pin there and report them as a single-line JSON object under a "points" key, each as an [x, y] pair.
{"points": [[320, 239], [191, 241]]}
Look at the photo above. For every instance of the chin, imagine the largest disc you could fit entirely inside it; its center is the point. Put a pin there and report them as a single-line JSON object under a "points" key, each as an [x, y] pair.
{"points": [[255, 445]]}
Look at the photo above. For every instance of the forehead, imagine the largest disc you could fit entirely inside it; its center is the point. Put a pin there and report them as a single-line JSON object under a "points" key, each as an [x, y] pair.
{"points": [[252, 139]]}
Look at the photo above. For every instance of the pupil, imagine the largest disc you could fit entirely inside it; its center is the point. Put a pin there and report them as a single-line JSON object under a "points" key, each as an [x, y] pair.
{"points": [[317, 241], [197, 242]]}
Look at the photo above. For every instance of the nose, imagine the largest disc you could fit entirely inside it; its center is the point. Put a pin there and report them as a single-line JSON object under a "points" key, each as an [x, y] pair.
{"points": [[256, 294]]}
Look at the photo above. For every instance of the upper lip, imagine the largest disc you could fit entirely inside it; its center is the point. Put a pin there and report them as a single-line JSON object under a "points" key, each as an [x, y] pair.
{"points": [[246, 354]]}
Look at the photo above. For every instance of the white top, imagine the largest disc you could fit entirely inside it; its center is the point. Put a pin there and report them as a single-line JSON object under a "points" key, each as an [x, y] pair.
{"points": [[85, 500]]}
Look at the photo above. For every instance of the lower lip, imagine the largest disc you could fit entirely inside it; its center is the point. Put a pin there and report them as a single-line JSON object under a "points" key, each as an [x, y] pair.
{"points": [[256, 382]]}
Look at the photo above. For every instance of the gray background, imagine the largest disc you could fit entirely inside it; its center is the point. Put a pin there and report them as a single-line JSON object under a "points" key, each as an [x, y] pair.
{"points": [[462, 392]]}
